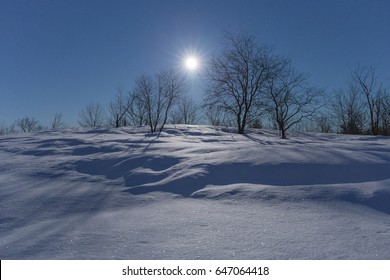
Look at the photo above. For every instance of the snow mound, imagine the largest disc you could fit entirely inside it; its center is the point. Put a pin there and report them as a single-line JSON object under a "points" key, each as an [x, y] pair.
{"points": [[183, 193]]}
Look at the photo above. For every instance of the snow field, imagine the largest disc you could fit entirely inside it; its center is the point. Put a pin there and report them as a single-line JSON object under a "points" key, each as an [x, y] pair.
{"points": [[194, 192]]}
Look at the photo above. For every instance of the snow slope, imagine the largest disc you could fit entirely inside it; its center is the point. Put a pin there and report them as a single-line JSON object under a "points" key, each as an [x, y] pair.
{"points": [[194, 192]]}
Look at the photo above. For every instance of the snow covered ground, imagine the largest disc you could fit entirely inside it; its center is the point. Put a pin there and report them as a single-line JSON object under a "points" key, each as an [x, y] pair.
{"points": [[195, 192]]}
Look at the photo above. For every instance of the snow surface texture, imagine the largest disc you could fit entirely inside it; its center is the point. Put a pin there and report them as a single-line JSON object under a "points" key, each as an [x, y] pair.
{"points": [[194, 192]]}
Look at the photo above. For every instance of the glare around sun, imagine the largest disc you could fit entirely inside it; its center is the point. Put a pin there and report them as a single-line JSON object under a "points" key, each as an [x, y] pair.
{"points": [[191, 63]]}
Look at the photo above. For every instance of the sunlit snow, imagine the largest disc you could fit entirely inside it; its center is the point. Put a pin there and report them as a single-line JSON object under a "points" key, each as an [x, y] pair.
{"points": [[194, 192]]}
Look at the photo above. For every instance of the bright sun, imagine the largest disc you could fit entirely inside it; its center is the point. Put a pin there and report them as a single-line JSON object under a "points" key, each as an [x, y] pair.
{"points": [[191, 63]]}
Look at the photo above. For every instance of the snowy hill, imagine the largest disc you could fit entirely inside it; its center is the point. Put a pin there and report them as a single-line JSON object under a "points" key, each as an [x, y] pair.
{"points": [[194, 192]]}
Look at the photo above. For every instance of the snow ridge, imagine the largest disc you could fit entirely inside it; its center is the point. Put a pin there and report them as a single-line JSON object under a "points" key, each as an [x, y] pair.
{"points": [[193, 192]]}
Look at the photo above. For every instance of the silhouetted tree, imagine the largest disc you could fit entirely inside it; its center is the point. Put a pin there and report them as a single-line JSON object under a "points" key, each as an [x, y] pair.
{"points": [[289, 99], [366, 81], [349, 111], [158, 95], [236, 78]]}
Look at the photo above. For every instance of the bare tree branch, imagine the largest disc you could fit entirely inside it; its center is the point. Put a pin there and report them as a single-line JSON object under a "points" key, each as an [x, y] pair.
{"points": [[57, 122], [290, 100], [236, 78], [28, 124], [92, 116], [366, 80], [158, 95]]}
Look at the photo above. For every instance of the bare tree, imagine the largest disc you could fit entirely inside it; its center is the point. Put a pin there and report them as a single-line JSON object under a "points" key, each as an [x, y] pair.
{"points": [[8, 129], [158, 95], [324, 123], [236, 78], [145, 95], [137, 112], [176, 117], [57, 122], [349, 111], [92, 116], [217, 116], [119, 108], [172, 85], [28, 124], [289, 98], [366, 80], [186, 111]]}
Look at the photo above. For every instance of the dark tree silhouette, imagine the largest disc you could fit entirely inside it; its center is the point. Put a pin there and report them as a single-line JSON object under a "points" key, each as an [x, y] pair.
{"points": [[289, 99], [236, 78], [349, 111], [158, 95], [366, 81]]}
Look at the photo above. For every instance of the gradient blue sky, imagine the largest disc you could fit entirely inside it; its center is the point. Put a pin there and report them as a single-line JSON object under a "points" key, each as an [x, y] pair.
{"points": [[60, 55]]}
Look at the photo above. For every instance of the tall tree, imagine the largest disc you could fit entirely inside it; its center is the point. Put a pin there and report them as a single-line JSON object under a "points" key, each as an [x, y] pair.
{"points": [[236, 78]]}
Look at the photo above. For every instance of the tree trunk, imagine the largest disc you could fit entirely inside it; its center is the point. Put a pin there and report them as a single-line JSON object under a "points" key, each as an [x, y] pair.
{"points": [[283, 134]]}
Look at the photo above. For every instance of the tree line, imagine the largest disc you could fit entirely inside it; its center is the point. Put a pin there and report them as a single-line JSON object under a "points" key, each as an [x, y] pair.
{"points": [[250, 85], [247, 85], [30, 124]]}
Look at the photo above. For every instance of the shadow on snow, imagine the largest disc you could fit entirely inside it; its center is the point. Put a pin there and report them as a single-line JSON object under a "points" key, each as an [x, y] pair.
{"points": [[145, 174]]}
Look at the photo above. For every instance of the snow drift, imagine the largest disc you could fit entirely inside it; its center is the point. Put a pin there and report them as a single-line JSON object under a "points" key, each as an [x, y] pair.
{"points": [[193, 192]]}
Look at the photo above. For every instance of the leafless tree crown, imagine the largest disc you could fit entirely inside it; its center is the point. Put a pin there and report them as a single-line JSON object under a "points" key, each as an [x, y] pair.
{"points": [[289, 99], [57, 122], [158, 94], [92, 116], [236, 78], [28, 124]]}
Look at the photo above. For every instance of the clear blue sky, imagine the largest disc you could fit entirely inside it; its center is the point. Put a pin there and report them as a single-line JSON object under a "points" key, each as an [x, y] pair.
{"points": [[59, 55]]}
